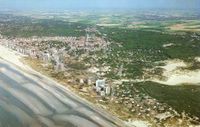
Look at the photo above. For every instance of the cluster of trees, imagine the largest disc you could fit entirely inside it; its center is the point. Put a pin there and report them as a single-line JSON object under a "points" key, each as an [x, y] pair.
{"points": [[139, 49]]}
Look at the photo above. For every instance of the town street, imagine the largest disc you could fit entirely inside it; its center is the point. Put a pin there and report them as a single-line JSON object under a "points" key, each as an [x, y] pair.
{"points": [[29, 99]]}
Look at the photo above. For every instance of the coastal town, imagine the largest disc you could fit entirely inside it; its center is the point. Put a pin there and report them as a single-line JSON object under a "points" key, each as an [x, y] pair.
{"points": [[58, 51], [63, 53], [142, 68]]}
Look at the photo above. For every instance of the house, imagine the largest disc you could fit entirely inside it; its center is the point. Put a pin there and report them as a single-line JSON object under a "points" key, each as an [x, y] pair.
{"points": [[59, 66], [46, 57], [81, 81], [163, 116], [108, 90], [33, 52]]}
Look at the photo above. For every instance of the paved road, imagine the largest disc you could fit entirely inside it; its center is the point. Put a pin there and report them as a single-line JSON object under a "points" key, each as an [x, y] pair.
{"points": [[29, 99]]}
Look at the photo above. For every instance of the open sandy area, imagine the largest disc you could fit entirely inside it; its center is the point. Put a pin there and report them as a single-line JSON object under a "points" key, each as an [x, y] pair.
{"points": [[175, 76], [138, 123], [11, 56]]}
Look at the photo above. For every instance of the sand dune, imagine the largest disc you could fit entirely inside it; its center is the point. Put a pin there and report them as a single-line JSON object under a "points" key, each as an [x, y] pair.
{"points": [[175, 76]]}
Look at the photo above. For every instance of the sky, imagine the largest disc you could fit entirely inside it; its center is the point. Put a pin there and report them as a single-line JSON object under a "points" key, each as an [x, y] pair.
{"points": [[98, 4]]}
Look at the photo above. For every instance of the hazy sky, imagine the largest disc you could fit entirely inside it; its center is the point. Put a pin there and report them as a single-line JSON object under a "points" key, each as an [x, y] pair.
{"points": [[101, 4]]}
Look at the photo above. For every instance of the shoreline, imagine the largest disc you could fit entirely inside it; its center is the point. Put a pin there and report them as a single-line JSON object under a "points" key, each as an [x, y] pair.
{"points": [[134, 120], [15, 59]]}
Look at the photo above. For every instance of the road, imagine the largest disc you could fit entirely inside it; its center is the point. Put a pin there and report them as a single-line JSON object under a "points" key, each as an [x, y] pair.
{"points": [[29, 99]]}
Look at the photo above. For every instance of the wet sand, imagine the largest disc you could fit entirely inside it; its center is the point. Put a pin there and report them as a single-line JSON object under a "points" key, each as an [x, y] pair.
{"points": [[29, 99]]}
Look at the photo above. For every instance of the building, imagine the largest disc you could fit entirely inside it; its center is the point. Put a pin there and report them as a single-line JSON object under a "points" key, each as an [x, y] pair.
{"points": [[100, 84], [102, 87]]}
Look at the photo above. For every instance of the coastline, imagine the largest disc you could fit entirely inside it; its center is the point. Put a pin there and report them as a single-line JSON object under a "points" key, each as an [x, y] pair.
{"points": [[8, 54]]}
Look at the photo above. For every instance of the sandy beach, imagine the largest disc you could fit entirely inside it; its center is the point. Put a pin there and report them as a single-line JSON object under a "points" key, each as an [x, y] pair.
{"points": [[39, 100], [11, 56]]}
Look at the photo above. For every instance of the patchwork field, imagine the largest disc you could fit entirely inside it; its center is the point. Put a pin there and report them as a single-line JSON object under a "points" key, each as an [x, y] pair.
{"points": [[191, 26]]}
